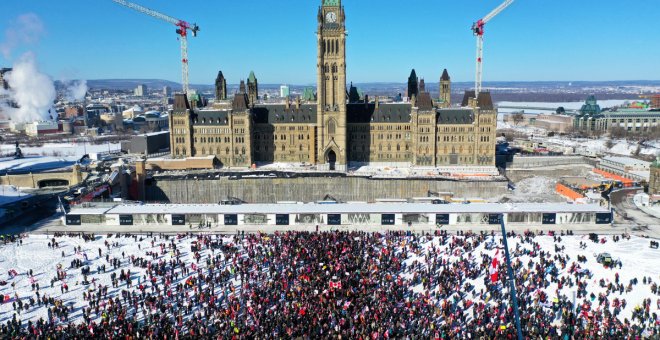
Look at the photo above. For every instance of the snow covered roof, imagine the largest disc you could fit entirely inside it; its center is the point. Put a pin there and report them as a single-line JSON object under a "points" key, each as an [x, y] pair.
{"points": [[346, 208], [626, 160]]}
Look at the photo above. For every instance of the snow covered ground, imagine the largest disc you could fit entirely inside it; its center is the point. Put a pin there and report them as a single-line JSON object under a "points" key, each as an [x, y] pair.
{"points": [[534, 189], [10, 193], [50, 155], [638, 262], [61, 149], [598, 146], [37, 163]]}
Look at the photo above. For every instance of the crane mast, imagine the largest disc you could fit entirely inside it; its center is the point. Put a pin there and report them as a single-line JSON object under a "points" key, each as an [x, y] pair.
{"points": [[182, 31], [478, 31]]}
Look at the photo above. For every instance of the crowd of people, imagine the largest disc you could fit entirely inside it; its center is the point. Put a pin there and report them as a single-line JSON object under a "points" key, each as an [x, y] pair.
{"points": [[349, 285]]}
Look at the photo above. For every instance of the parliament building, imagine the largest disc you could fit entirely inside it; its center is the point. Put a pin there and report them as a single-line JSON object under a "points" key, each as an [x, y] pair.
{"points": [[335, 126]]}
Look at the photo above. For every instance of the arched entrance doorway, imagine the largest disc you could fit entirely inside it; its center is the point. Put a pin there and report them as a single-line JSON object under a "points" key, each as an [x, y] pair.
{"points": [[331, 159]]}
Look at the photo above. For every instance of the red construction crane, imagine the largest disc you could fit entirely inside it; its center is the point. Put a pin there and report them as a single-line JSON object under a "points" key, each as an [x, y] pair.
{"points": [[478, 30], [182, 31]]}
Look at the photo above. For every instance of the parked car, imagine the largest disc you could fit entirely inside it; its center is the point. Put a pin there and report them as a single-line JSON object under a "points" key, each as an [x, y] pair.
{"points": [[604, 258]]}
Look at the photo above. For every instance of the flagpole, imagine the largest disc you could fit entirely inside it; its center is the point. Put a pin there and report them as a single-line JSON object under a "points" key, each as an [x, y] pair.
{"points": [[512, 282]]}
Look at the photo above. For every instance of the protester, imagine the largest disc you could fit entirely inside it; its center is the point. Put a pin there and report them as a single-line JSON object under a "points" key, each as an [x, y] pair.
{"points": [[353, 285]]}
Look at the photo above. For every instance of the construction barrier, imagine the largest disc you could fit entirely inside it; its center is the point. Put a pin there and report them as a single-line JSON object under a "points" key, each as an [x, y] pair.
{"points": [[568, 192], [627, 182]]}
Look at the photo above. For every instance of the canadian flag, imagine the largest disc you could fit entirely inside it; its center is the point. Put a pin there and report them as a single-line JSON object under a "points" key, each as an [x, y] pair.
{"points": [[494, 275], [335, 283]]}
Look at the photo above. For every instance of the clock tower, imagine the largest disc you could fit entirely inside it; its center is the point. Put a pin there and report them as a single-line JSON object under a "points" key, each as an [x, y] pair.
{"points": [[331, 86]]}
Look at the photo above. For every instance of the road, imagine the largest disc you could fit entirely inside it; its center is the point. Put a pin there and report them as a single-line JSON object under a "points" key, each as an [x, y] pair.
{"points": [[628, 215]]}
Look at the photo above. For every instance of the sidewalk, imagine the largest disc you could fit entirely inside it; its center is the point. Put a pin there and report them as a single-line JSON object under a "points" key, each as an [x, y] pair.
{"points": [[641, 202], [55, 225]]}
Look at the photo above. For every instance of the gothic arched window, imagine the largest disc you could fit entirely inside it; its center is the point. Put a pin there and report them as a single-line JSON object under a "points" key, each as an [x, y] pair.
{"points": [[331, 127]]}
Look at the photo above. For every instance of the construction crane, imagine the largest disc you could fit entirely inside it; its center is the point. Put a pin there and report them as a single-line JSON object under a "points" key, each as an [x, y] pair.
{"points": [[182, 31], [478, 31]]}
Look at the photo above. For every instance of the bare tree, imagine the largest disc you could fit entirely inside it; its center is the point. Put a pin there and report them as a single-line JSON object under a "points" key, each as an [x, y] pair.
{"points": [[609, 143], [518, 118]]}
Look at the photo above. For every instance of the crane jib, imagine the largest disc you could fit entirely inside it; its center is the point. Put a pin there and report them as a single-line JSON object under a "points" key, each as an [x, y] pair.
{"points": [[182, 31]]}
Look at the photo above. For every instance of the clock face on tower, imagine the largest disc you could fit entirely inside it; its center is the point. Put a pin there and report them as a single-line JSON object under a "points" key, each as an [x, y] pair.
{"points": [[331, 17]]}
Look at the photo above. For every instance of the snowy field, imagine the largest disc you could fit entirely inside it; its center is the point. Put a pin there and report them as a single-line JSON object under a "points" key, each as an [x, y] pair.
{"points": [[61, 149], [619, 146], [584, 145], [638, 262]]}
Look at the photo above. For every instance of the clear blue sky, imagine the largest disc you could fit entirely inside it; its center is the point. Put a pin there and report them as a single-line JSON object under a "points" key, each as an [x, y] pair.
{"points": [[531, 40]]}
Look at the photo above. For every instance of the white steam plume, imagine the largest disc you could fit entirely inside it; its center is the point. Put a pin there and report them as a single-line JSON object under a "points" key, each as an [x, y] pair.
{"points": [[26, 29], [33, 91], [76, 90]]}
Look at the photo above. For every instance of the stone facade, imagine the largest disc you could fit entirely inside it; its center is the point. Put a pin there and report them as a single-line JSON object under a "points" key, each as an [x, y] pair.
{"points": [[329, 130]]}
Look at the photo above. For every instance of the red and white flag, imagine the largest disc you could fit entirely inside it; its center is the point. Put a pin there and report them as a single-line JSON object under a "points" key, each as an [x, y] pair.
{"points": [[494, 275]]}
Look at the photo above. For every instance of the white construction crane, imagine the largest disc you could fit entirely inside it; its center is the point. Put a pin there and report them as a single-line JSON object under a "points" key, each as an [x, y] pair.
{"points": [[478, 30], [182, 31]]}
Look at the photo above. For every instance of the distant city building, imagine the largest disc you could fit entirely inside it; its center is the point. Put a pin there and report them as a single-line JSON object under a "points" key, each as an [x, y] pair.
{"points": [[150, 121], [655, 101], [220, 87], [40, 128], [284, 91], [132, 112], [147, 144], [590, 106], [627, 119], [140, 90], [627, 167], [329, 131], [167, 91], [73, 111]]}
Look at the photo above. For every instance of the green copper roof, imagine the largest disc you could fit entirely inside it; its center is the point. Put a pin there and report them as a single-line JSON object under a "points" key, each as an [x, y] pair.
{"points": [[308, 94], [252, 78], [656, 162], [330, 2], [590, 106]]}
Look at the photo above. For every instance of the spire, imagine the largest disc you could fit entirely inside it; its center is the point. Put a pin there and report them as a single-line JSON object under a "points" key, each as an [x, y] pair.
{"points": [[252, 78], [445, 75], [220, 87], [422, 87], [413, 75], [413, 85], [241, 87]]}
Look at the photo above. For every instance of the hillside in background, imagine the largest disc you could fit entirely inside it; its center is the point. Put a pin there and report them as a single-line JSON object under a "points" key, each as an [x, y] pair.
{"points": [[548, 91]]}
